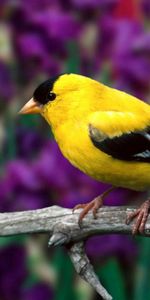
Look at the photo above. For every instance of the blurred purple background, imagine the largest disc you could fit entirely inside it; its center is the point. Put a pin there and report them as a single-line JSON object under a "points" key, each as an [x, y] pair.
{"points": [[108, 40]]}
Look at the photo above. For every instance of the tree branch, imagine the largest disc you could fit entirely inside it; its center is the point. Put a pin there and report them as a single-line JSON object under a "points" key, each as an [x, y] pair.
{"points": [[62, 220], [63, 227]]}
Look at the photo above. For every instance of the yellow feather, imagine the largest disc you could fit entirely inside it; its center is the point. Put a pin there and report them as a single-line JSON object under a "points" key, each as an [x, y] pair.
{"points": [[113, 123], [82, 101]]}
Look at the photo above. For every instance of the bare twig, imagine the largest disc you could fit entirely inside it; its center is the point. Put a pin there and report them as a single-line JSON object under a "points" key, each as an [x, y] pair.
{"points": [[85, 269], [64, 229]]}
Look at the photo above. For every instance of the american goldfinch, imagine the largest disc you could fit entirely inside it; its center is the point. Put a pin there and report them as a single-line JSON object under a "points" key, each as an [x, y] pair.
{"points": [[102, 131]]}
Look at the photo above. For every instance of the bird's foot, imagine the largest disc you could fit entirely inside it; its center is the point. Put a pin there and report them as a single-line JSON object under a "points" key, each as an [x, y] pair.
{"points": [[94, 205], [141, 215]]}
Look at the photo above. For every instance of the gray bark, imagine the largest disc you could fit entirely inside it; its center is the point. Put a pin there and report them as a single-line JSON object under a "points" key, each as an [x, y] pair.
{"points": [[55, 218], [63, 227]]}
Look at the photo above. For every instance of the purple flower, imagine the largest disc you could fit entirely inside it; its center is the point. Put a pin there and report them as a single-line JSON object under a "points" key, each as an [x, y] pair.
{"points": [[22, 173], [28, 142], [12, 271], [41, 40], [34, 56], [146, 8], [56, 24], [84, 4], [114, 244], [39, 291], [124, 46], [129, 58], [22, 189]]}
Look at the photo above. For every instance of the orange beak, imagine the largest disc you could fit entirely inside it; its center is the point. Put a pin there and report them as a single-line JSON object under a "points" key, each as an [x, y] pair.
{"points": [[31, 107]]}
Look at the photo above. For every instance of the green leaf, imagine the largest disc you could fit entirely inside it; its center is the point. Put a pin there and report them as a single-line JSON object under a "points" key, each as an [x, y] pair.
{"points": [[112, 278], [73, 62], [11, 145], [17, 239], [64, 289], [142, 273], [30, 121], [105, 76]]}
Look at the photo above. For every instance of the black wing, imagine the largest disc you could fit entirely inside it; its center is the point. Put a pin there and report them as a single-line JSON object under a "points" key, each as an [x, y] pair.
{"points": [[133, 146]]}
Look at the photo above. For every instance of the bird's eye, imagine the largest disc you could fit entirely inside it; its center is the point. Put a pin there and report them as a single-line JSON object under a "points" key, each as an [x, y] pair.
{"points": [[51, 96]]}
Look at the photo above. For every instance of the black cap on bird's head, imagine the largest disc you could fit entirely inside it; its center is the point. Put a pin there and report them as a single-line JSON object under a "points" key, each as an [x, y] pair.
{"points": [[41, 96]]}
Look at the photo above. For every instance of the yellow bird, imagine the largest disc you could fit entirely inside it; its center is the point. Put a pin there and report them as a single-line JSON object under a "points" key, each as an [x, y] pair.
{"points": [[102, 131]]}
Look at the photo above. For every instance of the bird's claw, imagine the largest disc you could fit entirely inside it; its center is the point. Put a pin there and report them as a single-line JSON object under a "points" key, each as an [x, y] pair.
{"points": [[141, 215], [94, 205]]}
